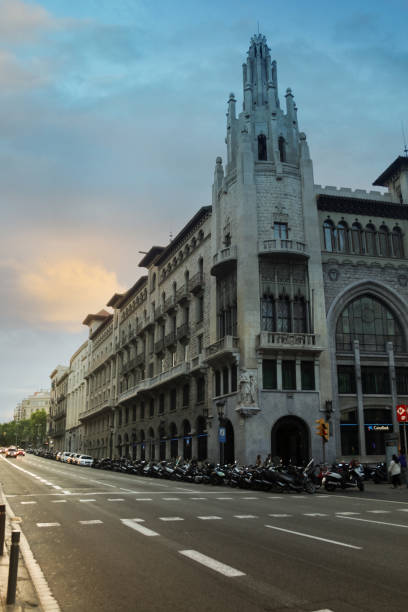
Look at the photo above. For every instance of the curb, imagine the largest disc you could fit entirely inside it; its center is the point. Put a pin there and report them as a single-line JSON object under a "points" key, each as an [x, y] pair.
{"points": [[33, 592]]}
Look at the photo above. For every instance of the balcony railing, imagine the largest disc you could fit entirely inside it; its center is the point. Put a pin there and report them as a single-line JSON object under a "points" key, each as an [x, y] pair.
{"points": [[159, 346], [169, 303], [227, 343], [170, 339], [224, 260], [277, 340], [183, 331], [99, 407], [182, 293], [196, 282], [129, 365], [182, 369], [278, 245]]}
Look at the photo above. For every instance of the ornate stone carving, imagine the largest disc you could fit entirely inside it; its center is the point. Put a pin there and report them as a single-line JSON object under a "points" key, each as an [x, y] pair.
{"points": [[248, 389], [403, 280], [334, 274]]}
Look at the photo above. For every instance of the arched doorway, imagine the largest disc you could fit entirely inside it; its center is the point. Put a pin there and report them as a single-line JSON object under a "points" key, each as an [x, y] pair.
{"points": [[202, 436], [229, 446], [290, 440]]}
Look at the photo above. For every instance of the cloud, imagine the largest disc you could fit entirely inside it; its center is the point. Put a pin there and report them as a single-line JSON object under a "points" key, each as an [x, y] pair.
{"points": [[21, 22], [61, 293]]}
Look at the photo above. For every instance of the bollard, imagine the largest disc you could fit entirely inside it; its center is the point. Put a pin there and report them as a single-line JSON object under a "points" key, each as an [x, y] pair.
{"points": [[2, 527], [13, 567]]}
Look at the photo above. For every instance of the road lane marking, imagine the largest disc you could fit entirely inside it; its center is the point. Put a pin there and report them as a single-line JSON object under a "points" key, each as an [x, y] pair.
{"points": [[279, 515], [87, 500], [346, 513], [198, 498], [325, 610], [402, 509], [224, 498], [92, 522], [29, 502], [274, 497], [171, 518], [379, 511], [143, 499], [213, 564], [351, 518], [314, 514], [245, 516], [249, 497], [139, 528], [209, 518], [59, 501], [48, 524], [115, 499], [307, 535], [170, 498]]}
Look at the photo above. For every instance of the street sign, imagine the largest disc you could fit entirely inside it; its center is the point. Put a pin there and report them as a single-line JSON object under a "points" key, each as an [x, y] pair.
{"points": [[222, 434], [402, 413]]}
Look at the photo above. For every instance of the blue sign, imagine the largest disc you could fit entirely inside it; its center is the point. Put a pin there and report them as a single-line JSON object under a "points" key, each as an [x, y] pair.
{"points": [[222, 434]]}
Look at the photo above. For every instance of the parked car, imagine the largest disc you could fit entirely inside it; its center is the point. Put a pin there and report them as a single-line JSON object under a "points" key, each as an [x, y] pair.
{"points": [[85, 460], [11, 452], [64, 456], [2, 451], [58, 456], [71, 457], [75, 458]]}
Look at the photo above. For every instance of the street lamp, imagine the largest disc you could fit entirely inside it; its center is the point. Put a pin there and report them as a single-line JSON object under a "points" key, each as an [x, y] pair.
{"points": [[222, 437]]}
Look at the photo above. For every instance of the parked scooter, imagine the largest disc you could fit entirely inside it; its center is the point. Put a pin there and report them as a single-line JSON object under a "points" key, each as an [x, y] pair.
{"points": [[292, 478], [343, 476]]}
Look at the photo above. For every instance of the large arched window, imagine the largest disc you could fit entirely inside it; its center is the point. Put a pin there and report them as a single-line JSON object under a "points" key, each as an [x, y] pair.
{"points": [[283, 314], [397, 243], [369, 321], [370, 242], [329, 235], [356, 238]]}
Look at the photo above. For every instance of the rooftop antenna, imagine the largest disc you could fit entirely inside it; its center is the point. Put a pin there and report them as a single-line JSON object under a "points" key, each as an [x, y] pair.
{"points": [[404, 139]]}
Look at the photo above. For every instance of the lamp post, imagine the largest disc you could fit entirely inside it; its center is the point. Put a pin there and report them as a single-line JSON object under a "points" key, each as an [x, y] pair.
{"points": [[222, 437]]}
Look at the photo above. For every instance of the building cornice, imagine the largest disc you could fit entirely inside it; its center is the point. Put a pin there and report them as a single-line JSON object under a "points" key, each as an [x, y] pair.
{"points": [[357, 206]]}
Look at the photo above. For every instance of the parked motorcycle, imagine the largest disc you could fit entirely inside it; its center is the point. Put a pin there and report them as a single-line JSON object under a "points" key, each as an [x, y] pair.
{"points": [[343, 476]]}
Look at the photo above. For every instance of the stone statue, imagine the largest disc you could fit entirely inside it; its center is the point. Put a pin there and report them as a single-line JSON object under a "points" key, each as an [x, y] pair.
{"points": [[248, 389]]}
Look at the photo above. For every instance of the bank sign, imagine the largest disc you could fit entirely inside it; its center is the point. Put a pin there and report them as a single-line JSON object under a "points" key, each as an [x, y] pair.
{"points": [[379, 427]]}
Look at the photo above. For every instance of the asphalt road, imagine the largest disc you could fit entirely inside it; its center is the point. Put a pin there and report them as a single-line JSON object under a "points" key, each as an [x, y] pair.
{"points": [[107, 541]]}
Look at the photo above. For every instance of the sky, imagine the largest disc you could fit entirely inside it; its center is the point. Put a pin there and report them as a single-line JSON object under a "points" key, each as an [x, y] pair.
{"points": [[112, 113]]}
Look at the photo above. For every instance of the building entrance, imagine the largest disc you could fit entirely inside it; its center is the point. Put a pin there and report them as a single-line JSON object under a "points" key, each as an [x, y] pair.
{"points": [[290, 440]]}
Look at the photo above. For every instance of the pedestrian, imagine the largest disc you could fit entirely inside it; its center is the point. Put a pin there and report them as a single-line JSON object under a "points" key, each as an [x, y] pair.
{"points": [[258, 461], [403, 463], [394, 470]]}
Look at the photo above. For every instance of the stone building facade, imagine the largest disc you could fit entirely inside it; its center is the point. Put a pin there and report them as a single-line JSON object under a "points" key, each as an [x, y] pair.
{"points": [[56, 429], [280, 303], [76, 398]]}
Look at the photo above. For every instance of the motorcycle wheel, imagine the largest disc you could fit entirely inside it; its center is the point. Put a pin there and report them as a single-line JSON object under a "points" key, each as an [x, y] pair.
{"points": [[329, 487], [309, 487], [360, 485]]}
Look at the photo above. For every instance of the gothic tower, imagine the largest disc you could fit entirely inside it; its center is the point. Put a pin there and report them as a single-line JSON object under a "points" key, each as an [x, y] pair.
{"points": [[268, 306]]}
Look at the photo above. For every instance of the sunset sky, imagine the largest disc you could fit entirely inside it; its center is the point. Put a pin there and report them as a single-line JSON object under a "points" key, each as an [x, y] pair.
{"points": [[112, 113]]}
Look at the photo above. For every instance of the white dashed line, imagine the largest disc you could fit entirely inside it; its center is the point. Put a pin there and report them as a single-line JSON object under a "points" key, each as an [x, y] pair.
{"points": [[209, 518], [139, 528], [220, 498], [171, 518], [198, 498], [402, 509], [245, 516], [59, 501], [143, 499], [115, 499], [87, 500], [314, 514], [346, 513], [29, 502], [48, 524], [306, 535], [217, 566], [279, 515], [93, 522], [170, 498], [379, 511], [249, 497]]}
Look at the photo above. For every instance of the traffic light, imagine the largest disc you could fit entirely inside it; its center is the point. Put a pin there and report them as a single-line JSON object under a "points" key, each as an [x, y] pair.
{"points": [[319, 427], [322, 429], [325, 431]]}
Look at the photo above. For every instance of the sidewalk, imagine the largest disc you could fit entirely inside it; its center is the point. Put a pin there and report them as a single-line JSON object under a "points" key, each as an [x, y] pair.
{"points": [[26, 597]]}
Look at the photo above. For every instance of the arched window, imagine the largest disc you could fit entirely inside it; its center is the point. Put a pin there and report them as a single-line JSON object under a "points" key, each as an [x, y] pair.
{"points": [[397, 242], [342, 236], [267, 313], [283, 314], [152, 444], [262, 152], [384, 240], [282, 149], [369, 321], [162, 443], [299, 316], [370, 242], [329, 235], [356, 234]]}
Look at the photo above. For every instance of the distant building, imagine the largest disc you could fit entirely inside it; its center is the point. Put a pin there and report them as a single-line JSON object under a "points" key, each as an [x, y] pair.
{"points": [[40, 400], [58, 407]]}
